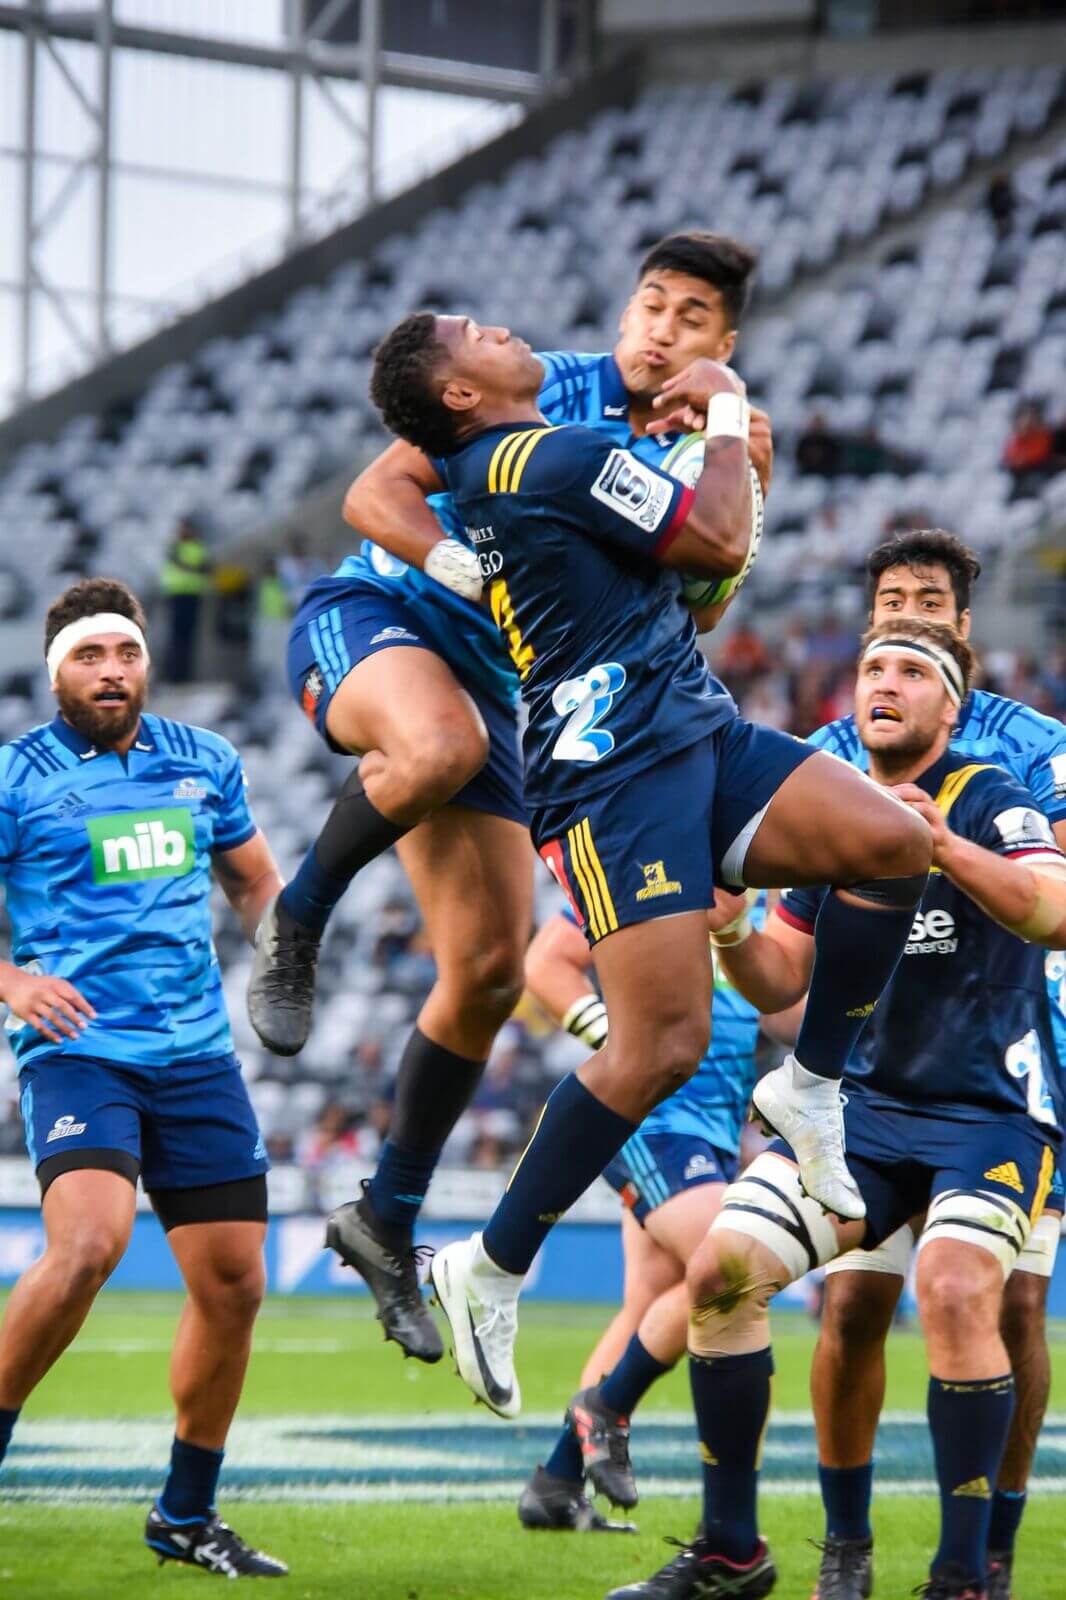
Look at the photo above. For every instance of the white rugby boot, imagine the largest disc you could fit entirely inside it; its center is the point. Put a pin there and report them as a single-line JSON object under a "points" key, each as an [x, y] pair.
{"points": [[480, 1301], [808, 1113]]}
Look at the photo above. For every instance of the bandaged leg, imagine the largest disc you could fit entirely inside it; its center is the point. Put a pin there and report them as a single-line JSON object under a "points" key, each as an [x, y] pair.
{"points": [[977, 1217], [892, 1256], [767, 1233]]}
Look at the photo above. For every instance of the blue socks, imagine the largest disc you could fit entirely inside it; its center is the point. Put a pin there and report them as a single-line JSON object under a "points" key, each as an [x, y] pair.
{"points": [[189, 1492], [625, 1387], [312, 894], [434, 1086], [399, 1185], [565, 1460], [969, 1423], [353, 834], [732, 1399], [856, 949], [576, 1137], [621, 1390], [1008, 1508], [846, 1495], [7, 1423]]}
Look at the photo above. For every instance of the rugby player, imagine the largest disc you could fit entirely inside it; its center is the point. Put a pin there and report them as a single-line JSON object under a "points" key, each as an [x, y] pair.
{"points": [[953, 1109], [111, 823], [930, 573], [388, 662], [642, 782], [671, 1177]]}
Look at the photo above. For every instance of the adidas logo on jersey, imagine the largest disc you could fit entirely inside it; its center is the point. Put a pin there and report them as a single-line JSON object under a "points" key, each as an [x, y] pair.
{"points": [[1007, 1173], [131, 846], [72, 805], [932, 934]]}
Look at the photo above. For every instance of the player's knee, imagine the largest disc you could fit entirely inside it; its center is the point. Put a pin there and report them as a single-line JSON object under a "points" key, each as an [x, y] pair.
{"points": [[427, 773], [1024, 1313], [489, 978], [718, 1277], [680, 1045], [855, 1312], [955, 1302], [232, 1291], [86, 1259]]}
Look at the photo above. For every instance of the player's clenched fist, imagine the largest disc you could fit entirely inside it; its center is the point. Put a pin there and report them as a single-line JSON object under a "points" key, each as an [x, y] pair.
{"points": [[685, 398], [51, 1005]]}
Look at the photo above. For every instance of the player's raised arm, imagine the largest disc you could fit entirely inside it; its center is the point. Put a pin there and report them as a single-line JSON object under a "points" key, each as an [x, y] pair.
{"points": [[387, 503], [714, 538], [556, 969], [1021, 882]]}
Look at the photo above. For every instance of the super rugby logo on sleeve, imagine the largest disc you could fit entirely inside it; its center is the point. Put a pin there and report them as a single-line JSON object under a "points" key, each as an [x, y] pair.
{"points": [[625, 485], [131, 846]]}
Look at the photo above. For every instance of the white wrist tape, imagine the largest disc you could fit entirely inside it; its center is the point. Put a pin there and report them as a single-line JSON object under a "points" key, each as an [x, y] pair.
{"points": [[68, 638], [735, 932], [457, 568], [728, 417], [586, 1019]]}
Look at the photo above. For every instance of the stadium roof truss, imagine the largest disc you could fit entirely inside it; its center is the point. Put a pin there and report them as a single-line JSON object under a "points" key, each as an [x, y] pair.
{"points": [[313, 63]]}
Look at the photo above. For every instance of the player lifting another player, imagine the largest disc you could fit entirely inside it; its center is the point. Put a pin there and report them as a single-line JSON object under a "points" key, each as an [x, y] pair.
{"points": [[643, 784], [388, 661]]}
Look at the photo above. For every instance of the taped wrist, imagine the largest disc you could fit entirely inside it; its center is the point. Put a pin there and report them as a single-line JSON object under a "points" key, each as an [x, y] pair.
{"points": [[586, 1019]]}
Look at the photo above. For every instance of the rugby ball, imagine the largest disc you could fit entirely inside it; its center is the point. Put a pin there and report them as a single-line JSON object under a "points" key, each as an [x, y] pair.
{"points": [[684, 461]]}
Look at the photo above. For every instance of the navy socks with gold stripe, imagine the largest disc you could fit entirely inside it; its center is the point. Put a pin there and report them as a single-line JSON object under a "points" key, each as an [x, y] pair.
{"points": [[731, 1395], [969, 1423], [576, 1137]]}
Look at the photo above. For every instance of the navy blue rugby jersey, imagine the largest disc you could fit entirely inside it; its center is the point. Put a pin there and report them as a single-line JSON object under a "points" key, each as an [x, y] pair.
{"points": [[965, 1024], [604, 648]]}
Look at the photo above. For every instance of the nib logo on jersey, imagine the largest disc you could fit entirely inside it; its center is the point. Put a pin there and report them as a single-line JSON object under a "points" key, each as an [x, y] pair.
{"points": [[932, 934], [130, 846]]}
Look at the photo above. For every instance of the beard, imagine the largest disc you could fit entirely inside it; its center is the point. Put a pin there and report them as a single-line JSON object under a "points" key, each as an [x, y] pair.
{"points": [[102, 725], [901, 755]]}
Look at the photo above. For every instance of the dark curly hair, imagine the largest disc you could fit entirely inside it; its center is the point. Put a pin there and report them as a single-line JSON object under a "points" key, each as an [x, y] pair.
{"points": [[724, 263], [405, 388], [85, 598], [926, 547]]}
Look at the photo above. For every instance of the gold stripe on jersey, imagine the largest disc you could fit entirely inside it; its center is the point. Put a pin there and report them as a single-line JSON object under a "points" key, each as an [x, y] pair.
{"points": [[1043, 1184], [509, 459], [955, 783], [600, 875], [593, 908]]}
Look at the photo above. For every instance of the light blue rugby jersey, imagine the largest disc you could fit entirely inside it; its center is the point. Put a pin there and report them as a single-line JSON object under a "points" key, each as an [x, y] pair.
{"points": [[713, 1104], [106, 868], [1031, 746], [576, 388]]}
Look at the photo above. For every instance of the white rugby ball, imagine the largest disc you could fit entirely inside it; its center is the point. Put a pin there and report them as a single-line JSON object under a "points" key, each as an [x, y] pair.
{"points": [[684, 461]]}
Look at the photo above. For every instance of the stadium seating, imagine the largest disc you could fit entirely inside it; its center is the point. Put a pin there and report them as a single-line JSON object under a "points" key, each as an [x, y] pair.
{"points": [[931, 346]]}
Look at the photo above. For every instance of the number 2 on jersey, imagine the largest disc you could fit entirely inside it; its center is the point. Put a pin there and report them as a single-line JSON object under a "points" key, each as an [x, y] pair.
{"points": [[588, 699]]}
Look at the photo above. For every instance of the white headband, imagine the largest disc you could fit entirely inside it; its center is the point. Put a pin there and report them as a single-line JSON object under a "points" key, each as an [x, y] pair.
{"points": [[85, 628], [944, 662]]}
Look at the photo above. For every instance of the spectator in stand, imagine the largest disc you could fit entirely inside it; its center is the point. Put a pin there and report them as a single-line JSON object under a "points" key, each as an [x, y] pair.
{"points": [[332, 1139], [1001, 202], [818, 451], [185, 579], [1030, 452], [296, 568]]}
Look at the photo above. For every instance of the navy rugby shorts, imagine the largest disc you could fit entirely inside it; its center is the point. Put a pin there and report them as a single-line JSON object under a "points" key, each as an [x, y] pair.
{"points": [[189, 1127], [658, 843], [330, 637], [651, 1168], [902, 1155]]}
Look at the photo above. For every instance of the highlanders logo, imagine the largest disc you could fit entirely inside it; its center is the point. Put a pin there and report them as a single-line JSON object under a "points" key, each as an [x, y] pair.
{"points": [[131, 846], [656, 882]]}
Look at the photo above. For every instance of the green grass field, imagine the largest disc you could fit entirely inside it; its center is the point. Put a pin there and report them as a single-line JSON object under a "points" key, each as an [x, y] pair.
{"points": [[376, 1481]]}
